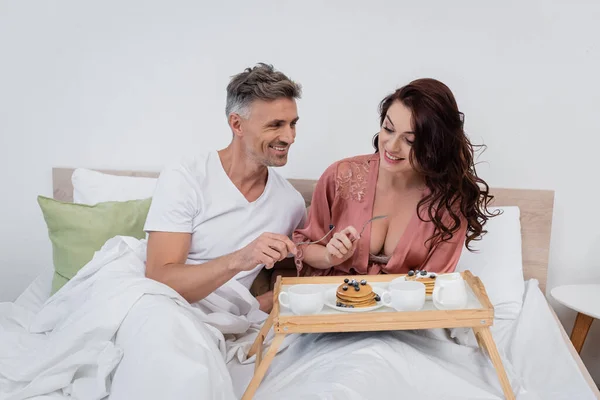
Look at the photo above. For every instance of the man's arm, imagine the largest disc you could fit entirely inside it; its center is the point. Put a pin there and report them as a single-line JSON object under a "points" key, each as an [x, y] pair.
{"points": [[167, 253]]}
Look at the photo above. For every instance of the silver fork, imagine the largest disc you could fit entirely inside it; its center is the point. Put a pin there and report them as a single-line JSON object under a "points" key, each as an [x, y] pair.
{"points": [[299, 254], [367, 223], [332, 227]]}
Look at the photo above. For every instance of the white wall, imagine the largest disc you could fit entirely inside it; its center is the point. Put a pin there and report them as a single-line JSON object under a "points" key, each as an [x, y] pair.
{"points": [[135, 84]]}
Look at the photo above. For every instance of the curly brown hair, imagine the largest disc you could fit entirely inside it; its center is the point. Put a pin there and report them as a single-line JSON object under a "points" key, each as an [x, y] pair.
{"points": [[443, 154]]}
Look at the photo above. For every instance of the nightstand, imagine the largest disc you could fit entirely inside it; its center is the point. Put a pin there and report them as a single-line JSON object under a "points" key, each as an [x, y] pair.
{"points": [[585, 299]]}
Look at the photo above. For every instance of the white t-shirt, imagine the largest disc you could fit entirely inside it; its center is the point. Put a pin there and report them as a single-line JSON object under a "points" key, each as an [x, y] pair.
{"points": [[196, 196]]}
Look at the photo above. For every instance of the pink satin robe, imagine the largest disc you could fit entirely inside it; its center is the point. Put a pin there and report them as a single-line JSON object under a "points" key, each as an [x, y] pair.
{"points": [[343, 196]]}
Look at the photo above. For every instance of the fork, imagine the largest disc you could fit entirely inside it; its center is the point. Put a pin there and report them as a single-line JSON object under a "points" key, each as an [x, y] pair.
{"points": [[367, 223], [332, 227], [299, 254]]}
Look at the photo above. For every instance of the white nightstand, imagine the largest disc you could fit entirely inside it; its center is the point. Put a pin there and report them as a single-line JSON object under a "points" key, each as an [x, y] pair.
{"points": [[585, 299]]}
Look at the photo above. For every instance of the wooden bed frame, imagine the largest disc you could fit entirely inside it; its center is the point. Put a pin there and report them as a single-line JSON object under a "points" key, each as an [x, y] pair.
{"points": [[536, 208]]}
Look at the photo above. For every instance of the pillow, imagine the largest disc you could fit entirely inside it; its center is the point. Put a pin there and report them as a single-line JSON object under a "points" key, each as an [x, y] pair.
{"points": [[77, 231], [498, 262], [93, 187]]}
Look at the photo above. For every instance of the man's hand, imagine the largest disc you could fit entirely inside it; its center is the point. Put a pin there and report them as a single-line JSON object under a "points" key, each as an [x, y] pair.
{"points": [[267, 249], [265, 301]]}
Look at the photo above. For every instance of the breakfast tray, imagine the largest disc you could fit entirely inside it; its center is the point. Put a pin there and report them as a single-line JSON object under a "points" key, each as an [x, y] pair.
{"points": [[479, 315]]}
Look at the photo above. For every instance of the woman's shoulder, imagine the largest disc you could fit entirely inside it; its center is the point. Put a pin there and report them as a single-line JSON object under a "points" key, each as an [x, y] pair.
{"points": [[352, 166], [350, 175]]}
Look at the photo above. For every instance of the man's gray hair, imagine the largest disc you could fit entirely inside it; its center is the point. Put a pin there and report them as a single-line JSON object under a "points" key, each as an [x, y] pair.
{"points": [[261, 82]]}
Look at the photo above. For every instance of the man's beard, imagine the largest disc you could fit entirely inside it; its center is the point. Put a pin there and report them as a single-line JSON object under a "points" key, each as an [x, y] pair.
{"points": [[271, 160]]}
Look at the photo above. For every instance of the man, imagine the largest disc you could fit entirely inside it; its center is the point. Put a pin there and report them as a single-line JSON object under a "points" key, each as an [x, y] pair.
{"points": [[225, 214], [215, 221]]}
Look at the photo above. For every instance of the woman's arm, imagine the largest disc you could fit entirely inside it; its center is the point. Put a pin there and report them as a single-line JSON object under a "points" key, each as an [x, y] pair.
{"points": [[339, 248], [316, 256], [318, 222]]}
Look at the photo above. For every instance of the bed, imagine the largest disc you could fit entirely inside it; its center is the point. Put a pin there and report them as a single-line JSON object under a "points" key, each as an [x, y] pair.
{"points": [[535, 207]]}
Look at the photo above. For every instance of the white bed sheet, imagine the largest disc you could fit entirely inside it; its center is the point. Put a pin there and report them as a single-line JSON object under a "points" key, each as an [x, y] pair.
{"points": [[38, 291], [374, 365], [73, 346]]}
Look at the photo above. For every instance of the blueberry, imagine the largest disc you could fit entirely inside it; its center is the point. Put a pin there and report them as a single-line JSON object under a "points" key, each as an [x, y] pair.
{"points": [[363, 282], [346, 280], [338, 304], [377, 298], [345, 287], [331, 226], [411, 272], [351, 306], [357, 288], [423, 272], [432, 276]]}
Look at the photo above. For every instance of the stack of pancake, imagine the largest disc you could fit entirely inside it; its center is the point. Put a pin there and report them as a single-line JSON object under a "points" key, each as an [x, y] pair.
{"points": [[426, 278], [356, 294]]}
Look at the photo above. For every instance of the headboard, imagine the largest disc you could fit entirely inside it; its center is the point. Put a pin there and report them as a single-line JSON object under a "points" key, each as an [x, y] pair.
{"points": [[536, 208]]}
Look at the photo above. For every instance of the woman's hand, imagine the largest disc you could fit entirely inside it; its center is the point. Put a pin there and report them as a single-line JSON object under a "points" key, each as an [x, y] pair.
{"points": [[341, 246]]}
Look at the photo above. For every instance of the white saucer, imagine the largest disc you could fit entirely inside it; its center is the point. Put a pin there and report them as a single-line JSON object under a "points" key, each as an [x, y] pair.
{"points": [[331, 300]]}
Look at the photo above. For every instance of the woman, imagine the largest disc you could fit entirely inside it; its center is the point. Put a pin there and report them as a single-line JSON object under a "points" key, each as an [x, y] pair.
{"points": [[421, 180]]}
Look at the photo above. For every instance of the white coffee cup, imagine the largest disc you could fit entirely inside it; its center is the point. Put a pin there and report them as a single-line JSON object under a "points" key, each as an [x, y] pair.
{"points": [[303, 299], [404, 295], [450, 292]]}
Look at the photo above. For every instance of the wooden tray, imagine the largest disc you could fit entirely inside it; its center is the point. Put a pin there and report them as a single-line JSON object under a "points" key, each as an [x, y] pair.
{"points": [[479, 315]]}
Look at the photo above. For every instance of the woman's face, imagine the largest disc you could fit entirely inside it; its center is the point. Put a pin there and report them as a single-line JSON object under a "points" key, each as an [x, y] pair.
{"points": [[396, 138]]}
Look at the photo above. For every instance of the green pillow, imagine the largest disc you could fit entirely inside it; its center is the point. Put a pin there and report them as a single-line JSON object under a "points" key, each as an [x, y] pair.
{"points": [[77, 230]]}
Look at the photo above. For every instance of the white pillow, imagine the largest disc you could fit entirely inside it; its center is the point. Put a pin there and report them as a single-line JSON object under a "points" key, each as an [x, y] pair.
{"points": [[93, 187], [498, 262]]}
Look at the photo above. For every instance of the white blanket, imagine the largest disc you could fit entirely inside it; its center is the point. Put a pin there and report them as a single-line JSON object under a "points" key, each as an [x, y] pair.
{"points": [[71, 346], [112, 331]]}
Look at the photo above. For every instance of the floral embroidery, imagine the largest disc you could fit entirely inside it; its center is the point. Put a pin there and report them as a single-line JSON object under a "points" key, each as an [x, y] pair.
{"points": [[351, 180]]}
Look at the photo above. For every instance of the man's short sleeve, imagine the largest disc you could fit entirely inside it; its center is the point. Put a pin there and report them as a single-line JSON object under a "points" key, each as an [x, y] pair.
{"points": [[175, 202]]}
